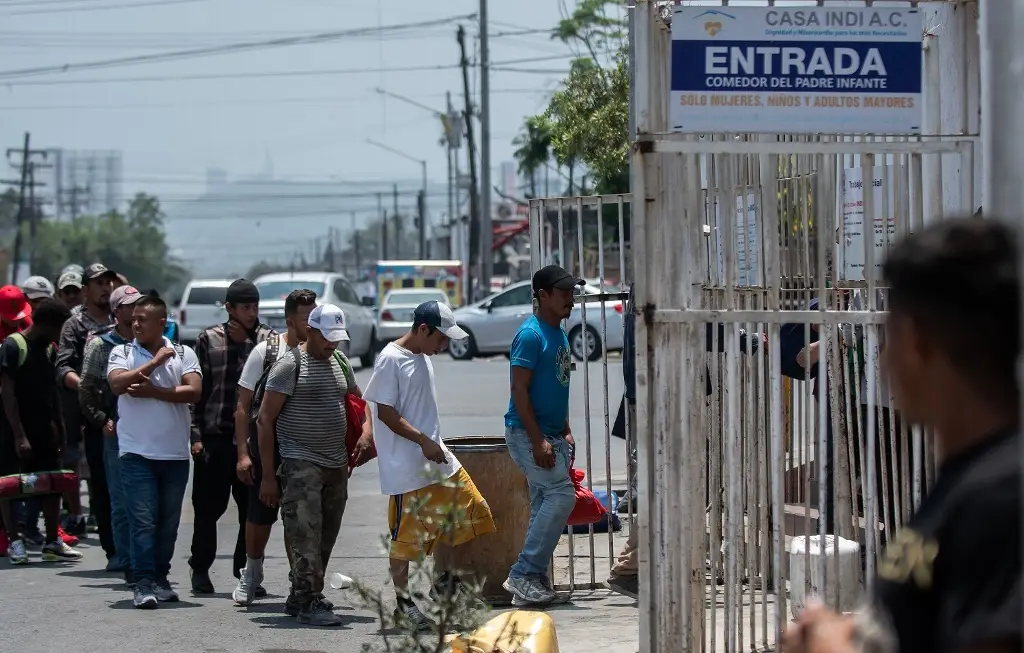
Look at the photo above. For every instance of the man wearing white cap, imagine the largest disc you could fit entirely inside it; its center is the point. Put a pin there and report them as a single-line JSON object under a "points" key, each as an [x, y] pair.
{"points": [[69, 288], [417, 470], [304, 402]]}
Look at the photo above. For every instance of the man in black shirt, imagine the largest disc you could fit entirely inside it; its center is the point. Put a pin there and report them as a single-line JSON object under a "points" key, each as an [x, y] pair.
{"points": [[950, 581], [31, 431]]}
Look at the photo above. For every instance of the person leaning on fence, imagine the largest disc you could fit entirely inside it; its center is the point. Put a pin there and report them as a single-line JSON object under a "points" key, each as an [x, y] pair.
{"points": [[537, 431], [950, 581], [434, 506]]}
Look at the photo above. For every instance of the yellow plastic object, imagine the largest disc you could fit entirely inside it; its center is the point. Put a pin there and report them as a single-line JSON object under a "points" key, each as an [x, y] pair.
{"points": [[518, 631]]}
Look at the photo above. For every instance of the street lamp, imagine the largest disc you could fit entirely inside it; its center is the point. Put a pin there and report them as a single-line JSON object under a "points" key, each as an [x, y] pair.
{"points": [[423, 196]]}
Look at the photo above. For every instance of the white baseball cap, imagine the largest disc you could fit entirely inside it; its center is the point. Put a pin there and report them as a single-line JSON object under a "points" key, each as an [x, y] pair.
{"points": [[329, 320], [439, 316], [37, 288]]}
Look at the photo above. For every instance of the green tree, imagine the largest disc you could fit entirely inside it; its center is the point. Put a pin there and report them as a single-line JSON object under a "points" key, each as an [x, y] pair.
{"points": [[133, 243], [590, 121], [533, 149]]}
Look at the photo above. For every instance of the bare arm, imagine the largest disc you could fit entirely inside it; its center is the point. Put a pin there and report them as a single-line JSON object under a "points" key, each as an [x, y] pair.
{"points": [[242, 408], [521, 377], [187, 393], [270, 408], [121, 380], [398, 425], [809, 355]]}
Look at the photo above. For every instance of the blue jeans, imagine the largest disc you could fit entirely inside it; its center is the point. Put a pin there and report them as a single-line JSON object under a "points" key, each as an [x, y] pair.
{"points": [[154, 490], [118, 516], [552, 498]]}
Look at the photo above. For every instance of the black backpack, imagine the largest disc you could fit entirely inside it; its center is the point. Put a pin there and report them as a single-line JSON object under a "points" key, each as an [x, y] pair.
{"points": [[273, 349]]}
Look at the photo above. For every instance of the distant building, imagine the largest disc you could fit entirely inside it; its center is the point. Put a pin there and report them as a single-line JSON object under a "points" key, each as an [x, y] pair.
{"points": [[509, 178], [82, 182]]}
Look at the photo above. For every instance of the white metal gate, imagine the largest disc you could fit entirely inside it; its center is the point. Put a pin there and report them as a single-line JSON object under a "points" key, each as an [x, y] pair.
{"points": [[587, 236], [736, 458]]}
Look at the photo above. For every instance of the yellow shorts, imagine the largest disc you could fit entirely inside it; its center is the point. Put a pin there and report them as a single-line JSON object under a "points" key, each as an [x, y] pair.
{"points": [[453, 510]]}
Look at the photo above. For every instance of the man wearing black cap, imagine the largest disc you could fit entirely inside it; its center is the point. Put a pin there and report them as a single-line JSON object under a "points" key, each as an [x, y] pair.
{"points": [[221, 350], [537, 430], [95, 314]]}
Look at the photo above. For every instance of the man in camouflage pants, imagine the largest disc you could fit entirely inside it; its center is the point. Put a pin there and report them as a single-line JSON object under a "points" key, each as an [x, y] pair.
{"points": [[310, 380]]}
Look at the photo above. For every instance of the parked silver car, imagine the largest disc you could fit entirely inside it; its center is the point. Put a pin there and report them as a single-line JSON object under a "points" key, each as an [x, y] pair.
{"points": [[330, 288], [201, 306], [492, 324], [394, 315]]}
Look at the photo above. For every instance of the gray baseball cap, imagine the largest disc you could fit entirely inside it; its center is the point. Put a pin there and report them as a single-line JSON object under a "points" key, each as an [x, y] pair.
{"points": [[70, 278], [37, 287]]}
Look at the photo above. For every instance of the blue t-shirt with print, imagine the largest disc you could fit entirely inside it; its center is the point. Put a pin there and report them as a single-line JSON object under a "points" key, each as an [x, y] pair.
{"points": [[545, 350]]}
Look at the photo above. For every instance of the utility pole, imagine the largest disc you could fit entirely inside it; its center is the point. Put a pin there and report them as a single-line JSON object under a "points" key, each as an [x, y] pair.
{"points": [[78, 195], [451, 188], [356, 247], [474, 196], [486, 227], [399, 232], [27, 208], [383, 227]]}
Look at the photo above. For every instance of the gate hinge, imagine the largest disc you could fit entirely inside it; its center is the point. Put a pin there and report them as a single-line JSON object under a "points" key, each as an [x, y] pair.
{"points": [[649, 315]]}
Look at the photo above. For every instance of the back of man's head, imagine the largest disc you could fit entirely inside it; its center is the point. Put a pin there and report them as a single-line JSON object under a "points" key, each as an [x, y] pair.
{"points": [[50, 314], [958, 281]]}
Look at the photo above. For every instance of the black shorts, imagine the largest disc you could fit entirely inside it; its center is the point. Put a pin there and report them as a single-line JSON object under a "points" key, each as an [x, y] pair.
{"points": [[44, 456], [259, 513]]}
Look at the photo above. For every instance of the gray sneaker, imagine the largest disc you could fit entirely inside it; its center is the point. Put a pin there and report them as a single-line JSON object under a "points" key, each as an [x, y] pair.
{"points": [[318, 615], [145, 598], [409, 612], [163, 592], [529, 591]]}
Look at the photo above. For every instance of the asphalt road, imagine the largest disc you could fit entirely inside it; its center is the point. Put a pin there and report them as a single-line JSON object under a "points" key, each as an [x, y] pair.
{"points": [[49, 606]]}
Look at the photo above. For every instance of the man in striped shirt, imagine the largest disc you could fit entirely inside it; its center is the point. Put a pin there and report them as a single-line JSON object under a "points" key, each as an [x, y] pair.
{"points": [[304, 402]]}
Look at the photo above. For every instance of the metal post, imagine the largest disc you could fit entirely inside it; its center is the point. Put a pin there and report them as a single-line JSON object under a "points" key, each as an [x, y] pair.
{"points": [[422, 209], [1002, 125], [451, 182], [486, 228], [21, 209]]}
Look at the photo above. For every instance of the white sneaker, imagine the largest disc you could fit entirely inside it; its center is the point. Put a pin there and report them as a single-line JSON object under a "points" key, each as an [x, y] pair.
{"points": [[16, 553], [245, 590], [57, 550]]}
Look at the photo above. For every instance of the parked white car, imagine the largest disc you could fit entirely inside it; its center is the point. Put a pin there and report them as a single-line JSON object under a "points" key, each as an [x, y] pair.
{"points": [[492, 324], [394, 315], [330, 288], [201, 306]]}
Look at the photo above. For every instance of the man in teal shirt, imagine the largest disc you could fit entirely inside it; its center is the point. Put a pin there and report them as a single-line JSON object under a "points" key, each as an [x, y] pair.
{"points": [[537, 430]]}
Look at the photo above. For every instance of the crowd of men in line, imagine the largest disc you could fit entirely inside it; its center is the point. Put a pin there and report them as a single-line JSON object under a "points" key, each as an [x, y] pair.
{"points": [[105, 378]]}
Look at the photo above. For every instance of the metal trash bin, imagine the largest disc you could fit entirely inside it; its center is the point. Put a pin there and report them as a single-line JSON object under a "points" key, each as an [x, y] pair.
{"points": [[488, 558]]}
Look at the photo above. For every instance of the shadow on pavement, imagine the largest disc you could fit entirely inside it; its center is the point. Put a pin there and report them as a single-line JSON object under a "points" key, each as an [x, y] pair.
{"points": [[127, 604], [91, 573], [118, 587], [284, 622]]}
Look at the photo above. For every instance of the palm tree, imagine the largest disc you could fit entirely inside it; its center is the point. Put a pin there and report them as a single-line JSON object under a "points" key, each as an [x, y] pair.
{"points": [[533, 149]]}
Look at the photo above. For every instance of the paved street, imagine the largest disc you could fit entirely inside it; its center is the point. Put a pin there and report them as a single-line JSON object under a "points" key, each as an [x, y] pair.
{"points": [[50, 607]]}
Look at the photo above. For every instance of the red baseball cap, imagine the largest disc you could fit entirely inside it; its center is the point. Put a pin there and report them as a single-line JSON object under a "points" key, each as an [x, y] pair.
{"points": [[14, 307]]}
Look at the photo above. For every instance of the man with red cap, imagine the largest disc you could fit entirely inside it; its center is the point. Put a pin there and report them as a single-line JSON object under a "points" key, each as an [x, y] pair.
{"points": [[15, 312]]}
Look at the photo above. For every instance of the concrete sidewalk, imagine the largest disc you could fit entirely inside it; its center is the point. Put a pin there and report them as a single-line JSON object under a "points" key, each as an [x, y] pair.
{"points": [[78, 606]]}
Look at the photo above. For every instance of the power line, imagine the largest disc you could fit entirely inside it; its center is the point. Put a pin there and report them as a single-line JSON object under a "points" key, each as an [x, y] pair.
{"points": [[243, 102], [124, 5], [499, 65], [324, 37]]}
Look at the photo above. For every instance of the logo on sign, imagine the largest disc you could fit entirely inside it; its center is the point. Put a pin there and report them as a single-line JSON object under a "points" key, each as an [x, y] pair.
{"points": [[713, 27]]}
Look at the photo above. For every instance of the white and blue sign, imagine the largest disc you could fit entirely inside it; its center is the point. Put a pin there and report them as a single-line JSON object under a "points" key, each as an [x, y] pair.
{"points": [[785, 69]]}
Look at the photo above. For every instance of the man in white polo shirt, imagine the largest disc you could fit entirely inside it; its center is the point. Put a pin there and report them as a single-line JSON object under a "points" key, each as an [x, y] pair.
{"points": [[154, 381]]}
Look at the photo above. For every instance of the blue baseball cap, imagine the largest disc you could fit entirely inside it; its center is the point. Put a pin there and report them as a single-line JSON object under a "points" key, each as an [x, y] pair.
{"points": [[438, 315]]}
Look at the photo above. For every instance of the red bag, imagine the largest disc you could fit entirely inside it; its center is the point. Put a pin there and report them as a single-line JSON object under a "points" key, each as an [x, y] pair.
{"points": [[22, 486], [355, 411], [588, 509]]}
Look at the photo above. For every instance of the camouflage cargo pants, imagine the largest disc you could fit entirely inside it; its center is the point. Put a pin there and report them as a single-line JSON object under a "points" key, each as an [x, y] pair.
{"points": [[312, 504]]}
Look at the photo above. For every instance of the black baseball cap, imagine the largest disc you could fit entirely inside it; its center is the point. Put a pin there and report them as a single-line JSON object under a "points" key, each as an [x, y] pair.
{"points": [[552, 276], [98, 270]]}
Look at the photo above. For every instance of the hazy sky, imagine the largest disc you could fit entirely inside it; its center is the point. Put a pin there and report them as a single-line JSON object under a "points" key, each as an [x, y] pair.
{"points": [[312, 125]]}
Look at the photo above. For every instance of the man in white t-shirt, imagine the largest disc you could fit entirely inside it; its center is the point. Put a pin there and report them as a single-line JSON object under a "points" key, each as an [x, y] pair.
{"points": [[260, 517], [416, 468], [154, 381]]}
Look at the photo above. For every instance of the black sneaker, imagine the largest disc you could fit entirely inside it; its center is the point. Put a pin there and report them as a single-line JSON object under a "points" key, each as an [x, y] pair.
{"points": [[91, 525], [291, 606], [201, 583], [409, 612], [317, 614], [624, 585], [129, 579], [34, 538], [74, 525]]}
